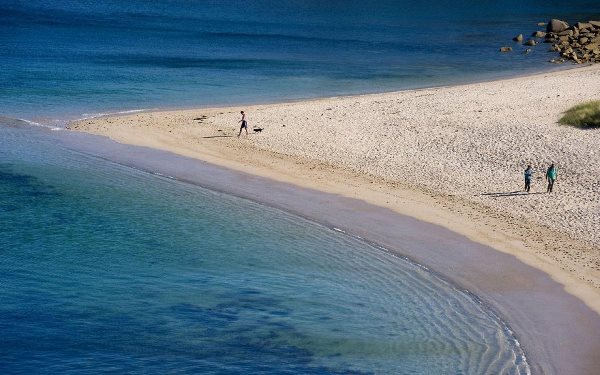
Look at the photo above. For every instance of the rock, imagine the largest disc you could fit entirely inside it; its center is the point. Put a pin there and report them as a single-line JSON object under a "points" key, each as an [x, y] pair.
{"points": [[518, 38], [579, 43], [528, 51], [583, 25], [566, 32], [556, 26], [541, 23], [505, 49]]}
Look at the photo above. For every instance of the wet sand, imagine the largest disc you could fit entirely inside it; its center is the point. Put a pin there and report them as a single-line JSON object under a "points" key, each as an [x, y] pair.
{"points": [[557, 331]]}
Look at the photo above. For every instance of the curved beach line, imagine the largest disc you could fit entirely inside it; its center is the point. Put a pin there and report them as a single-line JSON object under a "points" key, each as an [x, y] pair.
{"points": [[534, 306]]}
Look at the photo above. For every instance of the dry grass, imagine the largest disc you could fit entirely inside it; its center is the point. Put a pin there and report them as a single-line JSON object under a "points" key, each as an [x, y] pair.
{"points": [[586, 115]]}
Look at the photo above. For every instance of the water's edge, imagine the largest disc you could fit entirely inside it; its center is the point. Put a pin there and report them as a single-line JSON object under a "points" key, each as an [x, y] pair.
{"points": [[490, 310], [64, 121], [534, 308]]}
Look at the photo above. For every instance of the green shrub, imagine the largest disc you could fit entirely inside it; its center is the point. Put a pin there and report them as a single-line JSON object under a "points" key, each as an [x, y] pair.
{"points": [[586, 115]]}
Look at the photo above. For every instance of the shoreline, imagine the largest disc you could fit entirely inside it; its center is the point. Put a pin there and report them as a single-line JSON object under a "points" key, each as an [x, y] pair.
{"points": [[459, 213], [513, 236], [66, 120], [532, 305]]}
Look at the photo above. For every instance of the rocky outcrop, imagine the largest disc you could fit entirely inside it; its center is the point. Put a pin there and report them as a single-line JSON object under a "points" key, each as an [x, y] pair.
{"points": [[579, 43]]}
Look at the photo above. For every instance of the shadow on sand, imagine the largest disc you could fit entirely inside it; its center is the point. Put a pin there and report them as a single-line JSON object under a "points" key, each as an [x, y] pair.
{"points": [[510, 193], [219, 136]]}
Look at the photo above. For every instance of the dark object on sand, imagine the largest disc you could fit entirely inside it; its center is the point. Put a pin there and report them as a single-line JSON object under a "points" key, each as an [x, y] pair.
{"points": [[257, 130]]}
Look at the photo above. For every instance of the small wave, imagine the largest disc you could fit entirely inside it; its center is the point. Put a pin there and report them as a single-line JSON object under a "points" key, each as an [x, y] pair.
{"points": [[87, 116], [33, 123], [292, 37], [164, 175]]}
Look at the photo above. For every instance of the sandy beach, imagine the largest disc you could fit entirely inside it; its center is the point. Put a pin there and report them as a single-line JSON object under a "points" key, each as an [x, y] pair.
{"points": [[450, 156]]}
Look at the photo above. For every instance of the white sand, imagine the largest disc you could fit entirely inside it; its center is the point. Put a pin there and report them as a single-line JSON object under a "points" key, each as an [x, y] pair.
{"points": [[452, 156]]}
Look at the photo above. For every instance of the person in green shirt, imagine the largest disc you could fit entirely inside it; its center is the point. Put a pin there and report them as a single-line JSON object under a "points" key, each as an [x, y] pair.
{"points": [[551, 177]]}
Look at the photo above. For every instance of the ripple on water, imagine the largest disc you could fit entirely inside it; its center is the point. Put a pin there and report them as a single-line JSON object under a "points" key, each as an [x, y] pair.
{"points": [[106, 268]]}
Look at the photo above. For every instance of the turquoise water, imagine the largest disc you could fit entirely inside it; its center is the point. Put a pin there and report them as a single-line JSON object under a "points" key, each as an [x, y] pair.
{"points": [[107, 269], [71, 59]]}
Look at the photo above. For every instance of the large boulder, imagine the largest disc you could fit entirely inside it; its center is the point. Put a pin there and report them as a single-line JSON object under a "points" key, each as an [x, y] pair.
{"points": [[556, 26], [595, 23], [539, 34], [530, 42], [518, 38], [505, 49]]}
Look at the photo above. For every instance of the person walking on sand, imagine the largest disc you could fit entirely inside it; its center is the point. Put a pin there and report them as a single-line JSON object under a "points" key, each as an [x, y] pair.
{"points": [[551, 177], [244, 123], [528, 175]]}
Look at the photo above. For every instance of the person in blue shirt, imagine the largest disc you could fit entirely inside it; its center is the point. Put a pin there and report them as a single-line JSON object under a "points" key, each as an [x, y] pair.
{"points": [[551, 177], [528, 175]]}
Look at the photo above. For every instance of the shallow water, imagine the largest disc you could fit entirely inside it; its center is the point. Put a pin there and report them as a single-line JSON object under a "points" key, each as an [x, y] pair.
{"points": [[71, 59], [108, 269]]}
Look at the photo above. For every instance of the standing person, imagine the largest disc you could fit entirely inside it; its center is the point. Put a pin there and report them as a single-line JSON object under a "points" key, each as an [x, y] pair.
{"points": [[551, 177], [244, 123], [528, 176]]}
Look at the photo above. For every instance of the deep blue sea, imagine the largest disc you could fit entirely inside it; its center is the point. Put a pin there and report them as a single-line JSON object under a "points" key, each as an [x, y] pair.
{"points": [[69, 59], [108, 269]]}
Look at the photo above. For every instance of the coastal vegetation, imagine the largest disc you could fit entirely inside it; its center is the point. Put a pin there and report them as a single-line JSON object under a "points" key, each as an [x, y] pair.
{"points": [[586, 115]]}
